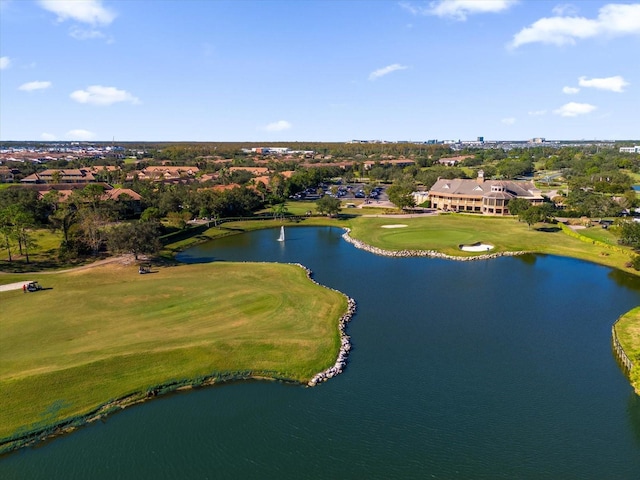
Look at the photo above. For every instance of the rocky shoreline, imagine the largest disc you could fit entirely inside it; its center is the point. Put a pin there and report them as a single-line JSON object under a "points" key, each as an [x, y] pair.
{"points": [[47, 432], [422, 253], [345, 341]]}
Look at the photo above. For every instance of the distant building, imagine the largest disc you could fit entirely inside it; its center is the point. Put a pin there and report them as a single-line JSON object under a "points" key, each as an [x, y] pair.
{"points": [[168, 174], [61, 176], [7, 175], [453, 161], [538, 140], [635, 149], [400, 162], [489, 197]]}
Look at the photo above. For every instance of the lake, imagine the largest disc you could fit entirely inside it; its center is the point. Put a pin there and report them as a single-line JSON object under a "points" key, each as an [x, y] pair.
{"points": [[468, 370]]}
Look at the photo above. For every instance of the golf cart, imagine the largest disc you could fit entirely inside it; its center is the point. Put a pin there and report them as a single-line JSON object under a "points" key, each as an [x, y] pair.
{"points": [[33, 287], [144, 269]]}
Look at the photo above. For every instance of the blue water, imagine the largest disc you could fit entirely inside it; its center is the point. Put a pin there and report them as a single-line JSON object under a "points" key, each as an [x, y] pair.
{"points": [[488, 369]]}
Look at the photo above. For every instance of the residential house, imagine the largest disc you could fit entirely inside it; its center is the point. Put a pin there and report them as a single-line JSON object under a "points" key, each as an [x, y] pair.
{"points": [[75, 175], [7, 175]]}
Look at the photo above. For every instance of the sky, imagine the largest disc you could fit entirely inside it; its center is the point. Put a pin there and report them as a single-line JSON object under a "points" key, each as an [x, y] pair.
{"points": [[318, 70]]}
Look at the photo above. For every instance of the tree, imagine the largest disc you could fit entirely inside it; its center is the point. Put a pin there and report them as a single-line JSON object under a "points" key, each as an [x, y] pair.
{"points": [[279, 210], [367, 188], [6, 229], [178, 219], [136, 238], [518, 205], [329, 205], [63, 217], [630, 233], [151, 214], [400, 194], [531, 215], [93, 194], [91, 224]]}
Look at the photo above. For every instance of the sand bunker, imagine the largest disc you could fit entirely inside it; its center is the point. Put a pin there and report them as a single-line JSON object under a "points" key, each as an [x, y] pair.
{"points": [[394, 226], [476, 247]]}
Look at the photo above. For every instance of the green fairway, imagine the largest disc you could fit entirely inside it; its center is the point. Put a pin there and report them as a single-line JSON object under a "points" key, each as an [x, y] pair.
{"points": [[445, 233], [106, 332]]}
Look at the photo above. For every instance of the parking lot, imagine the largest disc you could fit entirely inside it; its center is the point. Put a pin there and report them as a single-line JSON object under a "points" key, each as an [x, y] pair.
{"points": [[346, 192]]}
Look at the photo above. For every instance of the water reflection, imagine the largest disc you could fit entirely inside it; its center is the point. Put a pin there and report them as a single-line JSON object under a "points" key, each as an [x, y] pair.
{"points": [[633, 409], [624, 279]]}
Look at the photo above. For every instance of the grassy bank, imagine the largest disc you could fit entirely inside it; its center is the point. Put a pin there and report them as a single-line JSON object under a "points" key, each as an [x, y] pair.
{"points": [[238, 227], [445, 232], [107, 332], [628, 332]]}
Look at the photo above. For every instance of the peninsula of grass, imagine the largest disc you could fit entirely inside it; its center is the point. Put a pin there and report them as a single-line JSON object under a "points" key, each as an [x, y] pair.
{"points": [[628, 332], [106, 333], [444, 233]]}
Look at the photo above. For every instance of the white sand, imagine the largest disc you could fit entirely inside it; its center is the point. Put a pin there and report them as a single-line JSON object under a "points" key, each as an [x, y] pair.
{"points": [[394, 226], [476, 248]]}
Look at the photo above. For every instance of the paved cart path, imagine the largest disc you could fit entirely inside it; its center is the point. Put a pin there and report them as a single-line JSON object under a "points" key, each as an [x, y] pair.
{"points": [[14, 286]]}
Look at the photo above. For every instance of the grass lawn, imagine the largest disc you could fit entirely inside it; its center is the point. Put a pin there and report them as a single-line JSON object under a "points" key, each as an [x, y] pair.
{"points": [[445, 232], [596, 232], [628, 331], [42, 256], [106, 332]]}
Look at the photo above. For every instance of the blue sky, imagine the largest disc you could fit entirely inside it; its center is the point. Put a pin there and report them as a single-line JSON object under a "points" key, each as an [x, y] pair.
{"points": [[307, 70]]}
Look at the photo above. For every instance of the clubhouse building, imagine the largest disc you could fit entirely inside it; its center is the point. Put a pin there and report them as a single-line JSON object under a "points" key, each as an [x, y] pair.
{"points": [[489, 197]]}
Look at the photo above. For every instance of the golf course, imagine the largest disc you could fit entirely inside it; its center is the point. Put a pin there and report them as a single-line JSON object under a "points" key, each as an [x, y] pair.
{"points": [[97, 339], [97, 335]]}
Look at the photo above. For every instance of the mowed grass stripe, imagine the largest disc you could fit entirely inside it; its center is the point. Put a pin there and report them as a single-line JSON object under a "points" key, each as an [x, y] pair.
{"points": [[106, 332]]}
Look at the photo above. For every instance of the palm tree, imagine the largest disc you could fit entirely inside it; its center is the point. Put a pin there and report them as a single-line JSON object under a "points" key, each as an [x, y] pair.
{"points": [[279, 210]]}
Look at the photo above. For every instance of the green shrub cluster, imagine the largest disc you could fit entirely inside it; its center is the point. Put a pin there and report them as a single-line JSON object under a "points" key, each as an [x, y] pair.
{"points": [[597, 243]]}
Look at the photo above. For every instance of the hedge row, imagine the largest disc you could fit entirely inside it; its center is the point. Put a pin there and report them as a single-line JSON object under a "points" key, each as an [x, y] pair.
{"points": [[597, 243]]}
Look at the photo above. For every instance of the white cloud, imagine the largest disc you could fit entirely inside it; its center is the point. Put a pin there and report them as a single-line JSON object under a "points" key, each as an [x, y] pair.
{"points": [[537, 113], [570, 90], [613, 84], [573, 109], [381, 72], [508, 121], [50, 137], [103, 96], [565, 9], [82, 34], [31, 86], [4, 62], [84, 11], [278, 126], [80, 134], [459, 9], [613, 20]]}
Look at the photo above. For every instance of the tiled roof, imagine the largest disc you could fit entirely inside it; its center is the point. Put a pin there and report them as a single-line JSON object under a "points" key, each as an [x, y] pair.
{"points": [[460, 186]]}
